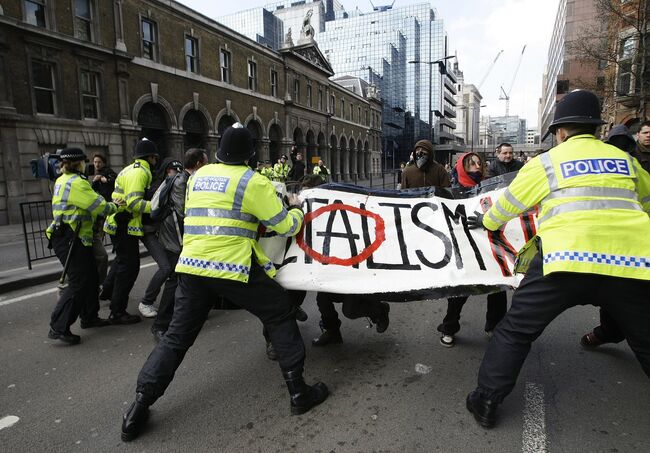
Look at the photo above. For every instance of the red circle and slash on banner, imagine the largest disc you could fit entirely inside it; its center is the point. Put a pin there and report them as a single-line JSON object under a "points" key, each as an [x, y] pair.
{"points": [[380, 236]]}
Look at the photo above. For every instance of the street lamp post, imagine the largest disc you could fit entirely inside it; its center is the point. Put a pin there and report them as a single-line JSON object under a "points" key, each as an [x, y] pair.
{"points": [[430, 63]]}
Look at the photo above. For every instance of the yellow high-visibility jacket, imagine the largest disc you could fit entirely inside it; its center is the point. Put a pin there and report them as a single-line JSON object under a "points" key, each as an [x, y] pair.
{"points": [[130, 185], [280, 172], [75, 201], [594, 201], [224, 207]]}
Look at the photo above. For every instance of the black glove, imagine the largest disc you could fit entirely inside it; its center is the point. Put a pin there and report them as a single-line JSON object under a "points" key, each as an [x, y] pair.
{"points": [[475, 221]]}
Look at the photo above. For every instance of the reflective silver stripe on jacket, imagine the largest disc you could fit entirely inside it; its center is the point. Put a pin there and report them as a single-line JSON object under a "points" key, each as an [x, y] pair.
{"points": [[68, 188], [212, 230], [241, 189], [118, 190], [220, 213], [135, 194], [494, 219], [610, 192], [589, 205], [276, 219], [547, 163], [513, 201], [293, 229], [503, 212], [645, 200], [96, 203]]}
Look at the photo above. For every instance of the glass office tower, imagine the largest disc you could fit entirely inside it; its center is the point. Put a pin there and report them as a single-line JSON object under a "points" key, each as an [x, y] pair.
{"points": [[378, 47], [258, 24]]}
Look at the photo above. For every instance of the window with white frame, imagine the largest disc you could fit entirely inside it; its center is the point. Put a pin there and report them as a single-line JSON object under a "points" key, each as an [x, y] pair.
{"points": [[35, 12], [274, 83], [83, 20], [625, 82], [252, 75], [90, 94], [44, 87], [225, 59], [149, 39], [191, 54]]}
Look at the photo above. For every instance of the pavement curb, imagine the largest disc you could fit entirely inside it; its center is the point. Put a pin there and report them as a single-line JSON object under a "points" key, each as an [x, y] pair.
{"points": [[25, 280]]}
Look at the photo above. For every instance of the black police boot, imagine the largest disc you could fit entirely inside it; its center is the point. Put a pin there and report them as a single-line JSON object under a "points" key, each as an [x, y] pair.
{"points": [[135, 418], [303, 396], [329, 336], [483, 409], [270, 351], [382, 321]]}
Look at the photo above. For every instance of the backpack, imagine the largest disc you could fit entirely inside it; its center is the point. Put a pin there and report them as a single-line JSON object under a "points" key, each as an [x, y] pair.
{"points": [[161, 202], [48, 166]]}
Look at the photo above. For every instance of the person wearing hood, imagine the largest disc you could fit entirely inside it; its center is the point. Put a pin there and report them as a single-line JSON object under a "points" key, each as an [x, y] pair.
{"points": [[467, 173], [426, 172]]}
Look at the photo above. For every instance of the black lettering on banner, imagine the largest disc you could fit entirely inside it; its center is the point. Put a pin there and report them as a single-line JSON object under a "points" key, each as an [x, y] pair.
{"points": [[528, 224], [328, 234], [308, 226], [445, 240], [459, 216], [405, 265], [288, 259]]}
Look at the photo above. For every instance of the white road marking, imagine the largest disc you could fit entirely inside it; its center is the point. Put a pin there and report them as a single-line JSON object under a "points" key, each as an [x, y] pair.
{"points": [[8, 421], [47, 291], [534, 435]]}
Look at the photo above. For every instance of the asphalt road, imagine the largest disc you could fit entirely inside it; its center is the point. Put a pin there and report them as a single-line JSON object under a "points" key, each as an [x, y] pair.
{"points": [[228, 397]]}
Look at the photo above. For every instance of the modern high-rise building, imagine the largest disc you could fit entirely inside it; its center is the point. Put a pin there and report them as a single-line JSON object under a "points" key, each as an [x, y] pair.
{"points": [[258, 24], [402, 51], [509, 129], [564, 71]]}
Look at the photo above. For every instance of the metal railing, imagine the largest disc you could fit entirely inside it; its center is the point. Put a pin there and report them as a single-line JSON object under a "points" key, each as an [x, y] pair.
{"points": [[36, 216]]}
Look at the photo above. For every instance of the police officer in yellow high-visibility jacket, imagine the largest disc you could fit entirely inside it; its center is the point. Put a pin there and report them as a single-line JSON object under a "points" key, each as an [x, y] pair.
{"points": [[281, 170], [226, 202], [75, 206], [125, 227], [593, 203]]}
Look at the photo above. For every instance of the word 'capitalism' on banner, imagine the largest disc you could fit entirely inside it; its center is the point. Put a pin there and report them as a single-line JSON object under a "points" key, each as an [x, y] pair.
{"points": [[398, 245]]}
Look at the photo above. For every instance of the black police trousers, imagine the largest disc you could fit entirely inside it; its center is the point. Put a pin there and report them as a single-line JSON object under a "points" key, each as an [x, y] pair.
{"points": [[540, 299], [80, 296], [262, 296], [125, 268], [497, 305]]}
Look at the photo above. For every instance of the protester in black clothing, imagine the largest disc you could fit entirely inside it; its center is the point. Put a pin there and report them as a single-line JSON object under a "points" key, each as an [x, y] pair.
{"points": [[297, 171], [505, 161], [170, 236], [102, 180]]}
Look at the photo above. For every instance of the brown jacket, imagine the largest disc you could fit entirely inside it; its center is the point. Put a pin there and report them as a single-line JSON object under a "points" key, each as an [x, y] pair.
{"points": [[434, 175], [642, 154]]}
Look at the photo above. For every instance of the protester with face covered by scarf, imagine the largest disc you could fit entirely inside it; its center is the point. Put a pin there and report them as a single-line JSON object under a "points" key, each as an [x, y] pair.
{"points": [[467, 173], [426, 172]]}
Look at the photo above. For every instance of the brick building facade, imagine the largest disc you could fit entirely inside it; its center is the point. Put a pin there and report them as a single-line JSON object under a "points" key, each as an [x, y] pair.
{"points": [[100, 75]]}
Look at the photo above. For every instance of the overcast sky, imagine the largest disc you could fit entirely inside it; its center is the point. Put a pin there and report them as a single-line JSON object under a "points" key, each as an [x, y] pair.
{"points": [[477, 30]]}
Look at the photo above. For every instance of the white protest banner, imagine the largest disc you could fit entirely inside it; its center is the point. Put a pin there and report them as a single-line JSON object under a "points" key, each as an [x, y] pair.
{"points": [[395, 246]]}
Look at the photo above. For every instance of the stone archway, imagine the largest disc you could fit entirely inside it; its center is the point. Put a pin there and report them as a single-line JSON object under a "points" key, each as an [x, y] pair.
{"points": [[196, 128], [257, 132], [310, 150], [155, 124], [344, 161], [299, 140], [361, 171], [333, 163], [352, 159], [275, 142]]}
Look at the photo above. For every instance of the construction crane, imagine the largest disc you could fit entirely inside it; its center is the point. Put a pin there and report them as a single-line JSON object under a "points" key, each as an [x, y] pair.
{"points": [[487, 73], [505, 95]]}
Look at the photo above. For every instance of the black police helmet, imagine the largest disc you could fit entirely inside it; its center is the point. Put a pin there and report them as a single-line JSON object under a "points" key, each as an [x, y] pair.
{"points": [[577, 107], [236, 145], [72, 154], [145, 148]]}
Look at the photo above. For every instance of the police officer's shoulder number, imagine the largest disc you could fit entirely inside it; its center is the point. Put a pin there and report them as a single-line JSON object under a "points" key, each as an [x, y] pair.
{"points": [[137, 165]]}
